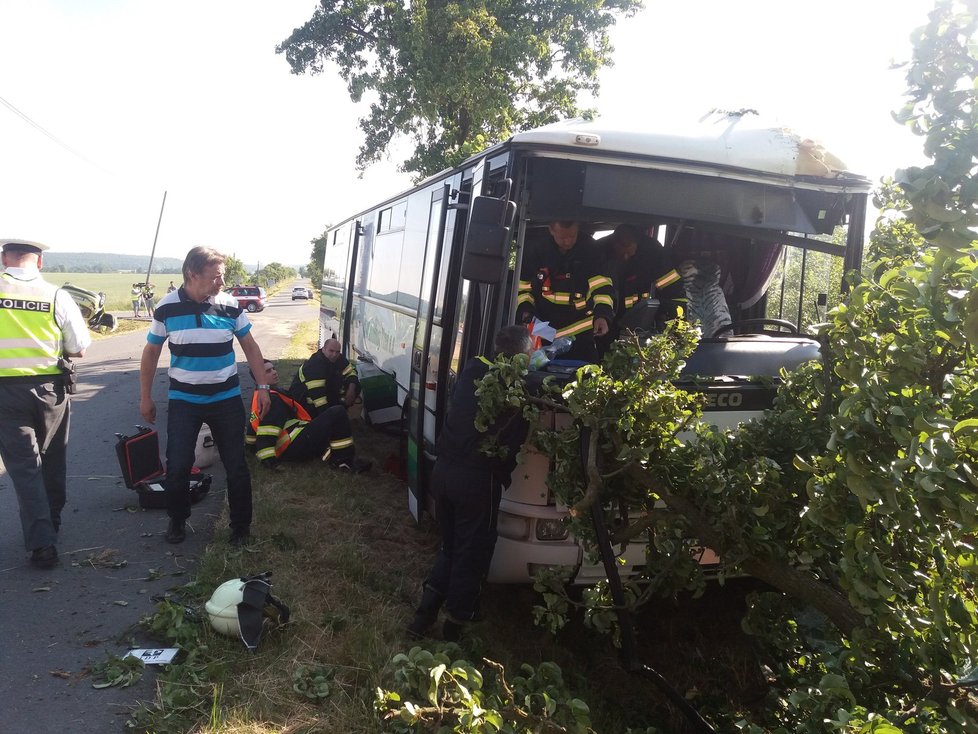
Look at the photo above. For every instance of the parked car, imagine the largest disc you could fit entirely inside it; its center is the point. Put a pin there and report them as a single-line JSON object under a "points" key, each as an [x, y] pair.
{"points": [[303, 293], [249, 297]]}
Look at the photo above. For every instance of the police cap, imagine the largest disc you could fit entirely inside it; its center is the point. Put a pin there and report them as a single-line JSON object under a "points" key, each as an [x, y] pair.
{"points": [[23, 246]]}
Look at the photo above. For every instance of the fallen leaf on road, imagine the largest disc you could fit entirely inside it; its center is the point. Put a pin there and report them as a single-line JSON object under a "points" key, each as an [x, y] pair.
{"points": [[106, 559], [41, 588]]}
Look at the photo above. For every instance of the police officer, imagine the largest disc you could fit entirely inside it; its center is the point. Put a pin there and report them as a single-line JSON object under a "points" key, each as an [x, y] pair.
{"points": [[562, 282], [40, 325]]}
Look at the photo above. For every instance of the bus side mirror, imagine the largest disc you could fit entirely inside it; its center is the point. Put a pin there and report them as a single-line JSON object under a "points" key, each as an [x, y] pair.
{"points": [[486, 251]]}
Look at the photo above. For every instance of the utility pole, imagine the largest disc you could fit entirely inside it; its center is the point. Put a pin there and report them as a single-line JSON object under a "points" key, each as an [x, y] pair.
{"points": [[153, 251]]}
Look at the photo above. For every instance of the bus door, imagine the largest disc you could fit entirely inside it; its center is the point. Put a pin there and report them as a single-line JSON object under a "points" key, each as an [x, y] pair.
{"points": [[351, 272], [427, 369]]}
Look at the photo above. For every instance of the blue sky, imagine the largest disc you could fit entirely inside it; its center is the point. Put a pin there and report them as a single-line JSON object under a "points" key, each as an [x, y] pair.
{"points": [[190, 98]]}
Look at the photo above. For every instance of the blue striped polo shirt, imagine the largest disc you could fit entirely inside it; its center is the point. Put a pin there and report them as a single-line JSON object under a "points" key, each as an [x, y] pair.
{"points": [[202, 363]]}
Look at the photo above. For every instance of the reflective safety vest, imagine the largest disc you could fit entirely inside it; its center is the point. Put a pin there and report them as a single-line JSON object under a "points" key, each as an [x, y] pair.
{"points": [[30, 339], [284, 434]]}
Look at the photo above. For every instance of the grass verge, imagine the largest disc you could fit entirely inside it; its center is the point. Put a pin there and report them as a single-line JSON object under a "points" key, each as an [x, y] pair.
{"points": [[349, 560]]}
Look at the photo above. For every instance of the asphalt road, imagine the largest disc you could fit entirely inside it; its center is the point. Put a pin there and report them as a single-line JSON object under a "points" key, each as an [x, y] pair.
{"points": [[54, 624]]}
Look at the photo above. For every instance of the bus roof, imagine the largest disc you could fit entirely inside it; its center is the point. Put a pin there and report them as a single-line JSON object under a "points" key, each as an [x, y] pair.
{"points": [[731, 141]]}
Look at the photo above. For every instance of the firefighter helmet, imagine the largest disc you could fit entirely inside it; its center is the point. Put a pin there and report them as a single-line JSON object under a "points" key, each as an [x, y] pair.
{"points": [[240, 608], [222, 607]]}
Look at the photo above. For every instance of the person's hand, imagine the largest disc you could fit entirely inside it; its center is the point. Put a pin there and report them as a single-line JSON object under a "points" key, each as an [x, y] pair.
{"points": [[264, 403], [600, 326], [147, 409]]}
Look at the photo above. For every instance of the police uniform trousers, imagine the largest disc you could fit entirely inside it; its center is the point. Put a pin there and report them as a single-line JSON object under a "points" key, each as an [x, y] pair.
{"points": [[34, 421], [466, 506]]}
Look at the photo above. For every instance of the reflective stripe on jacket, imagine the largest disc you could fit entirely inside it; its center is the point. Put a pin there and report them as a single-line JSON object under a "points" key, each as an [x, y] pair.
{"points": [[567, 289], [284, 431], [30, 339]]}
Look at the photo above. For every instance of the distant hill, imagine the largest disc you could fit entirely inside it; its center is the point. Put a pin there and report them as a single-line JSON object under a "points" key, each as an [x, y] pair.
{"points": [[107, 262]]}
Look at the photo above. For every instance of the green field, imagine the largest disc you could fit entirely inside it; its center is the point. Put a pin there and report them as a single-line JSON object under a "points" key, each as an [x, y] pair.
{"points": [[116, 286]]}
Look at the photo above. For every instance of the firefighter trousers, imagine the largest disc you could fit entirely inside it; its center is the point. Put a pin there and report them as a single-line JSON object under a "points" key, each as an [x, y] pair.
{"points": [[328, 432], [466, 505]]}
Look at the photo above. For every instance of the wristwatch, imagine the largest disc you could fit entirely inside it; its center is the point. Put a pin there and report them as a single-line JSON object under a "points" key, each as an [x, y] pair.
{"points": [[263, 387]]}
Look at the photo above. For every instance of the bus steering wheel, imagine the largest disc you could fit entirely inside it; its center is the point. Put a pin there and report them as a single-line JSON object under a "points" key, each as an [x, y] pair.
{"points": [[780, 323]]}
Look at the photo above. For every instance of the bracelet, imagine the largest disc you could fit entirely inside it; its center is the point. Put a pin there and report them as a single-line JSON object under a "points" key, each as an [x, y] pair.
{"points": [[263, 387]]}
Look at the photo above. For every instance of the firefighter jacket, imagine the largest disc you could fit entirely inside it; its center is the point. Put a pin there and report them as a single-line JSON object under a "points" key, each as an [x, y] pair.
{"points": [[643, 276], [568, 290], [284, 425], [30, 338], [321, 383]]}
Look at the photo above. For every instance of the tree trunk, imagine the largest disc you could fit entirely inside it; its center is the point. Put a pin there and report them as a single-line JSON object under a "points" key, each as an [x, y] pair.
{"points": [[795, 582]]}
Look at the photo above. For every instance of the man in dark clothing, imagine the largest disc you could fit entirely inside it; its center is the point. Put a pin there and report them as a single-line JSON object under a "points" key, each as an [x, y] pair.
{"points": [[467, 487], [562, 281], [288, 433], [326, 379]]}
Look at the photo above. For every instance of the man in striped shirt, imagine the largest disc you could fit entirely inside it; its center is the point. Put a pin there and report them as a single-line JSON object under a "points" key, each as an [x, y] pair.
{"points": [[201, 322]]}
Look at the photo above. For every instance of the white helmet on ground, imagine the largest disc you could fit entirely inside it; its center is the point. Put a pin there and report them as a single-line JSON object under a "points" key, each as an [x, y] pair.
{"points": [[239, 608]]}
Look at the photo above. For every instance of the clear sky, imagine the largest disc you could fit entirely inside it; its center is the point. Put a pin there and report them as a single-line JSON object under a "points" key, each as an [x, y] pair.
{"points": [[189, 97]]}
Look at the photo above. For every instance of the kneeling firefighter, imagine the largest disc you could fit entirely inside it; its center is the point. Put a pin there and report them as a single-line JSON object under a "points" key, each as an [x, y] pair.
{"points": [[288, 433]]}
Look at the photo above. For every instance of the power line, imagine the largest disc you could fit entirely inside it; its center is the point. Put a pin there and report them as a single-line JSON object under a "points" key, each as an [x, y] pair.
{"points": [[41, 129]]}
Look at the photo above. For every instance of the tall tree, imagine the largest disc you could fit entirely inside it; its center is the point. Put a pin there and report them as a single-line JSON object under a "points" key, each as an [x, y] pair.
{"points": [[316, 257], [457, 76], [234, 271]]}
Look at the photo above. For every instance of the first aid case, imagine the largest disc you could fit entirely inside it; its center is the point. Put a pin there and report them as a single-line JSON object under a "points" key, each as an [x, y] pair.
{"points": [[142, 469]]}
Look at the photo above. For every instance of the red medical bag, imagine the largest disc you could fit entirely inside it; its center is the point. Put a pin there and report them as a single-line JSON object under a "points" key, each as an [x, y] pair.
{"points": [[142, 469]]}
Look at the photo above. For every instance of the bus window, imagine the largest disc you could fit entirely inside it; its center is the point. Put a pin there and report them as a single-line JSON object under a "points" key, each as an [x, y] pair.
{"points": [[434, 219], [392, 218], [386, 259], [413, 252]]}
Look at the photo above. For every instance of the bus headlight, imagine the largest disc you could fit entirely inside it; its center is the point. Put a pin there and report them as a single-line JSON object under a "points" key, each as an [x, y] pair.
{"points": [[551, 530], [513, 527]]}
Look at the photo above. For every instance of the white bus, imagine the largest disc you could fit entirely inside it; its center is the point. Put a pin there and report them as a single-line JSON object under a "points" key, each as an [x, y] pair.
{"points": [[416, 285]]}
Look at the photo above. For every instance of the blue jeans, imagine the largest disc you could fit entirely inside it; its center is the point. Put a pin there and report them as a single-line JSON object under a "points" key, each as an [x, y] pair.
{"points": [[226, 419]]}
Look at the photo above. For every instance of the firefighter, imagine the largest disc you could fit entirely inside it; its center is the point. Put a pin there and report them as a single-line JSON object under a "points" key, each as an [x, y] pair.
{"points": [[563, 282], [289, 433], [326, 379], [40, 324], [638, 266]]}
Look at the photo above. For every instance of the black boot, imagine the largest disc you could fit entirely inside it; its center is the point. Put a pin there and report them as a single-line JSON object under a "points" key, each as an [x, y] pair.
{"points": [[426, 613], [451, 631]]}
